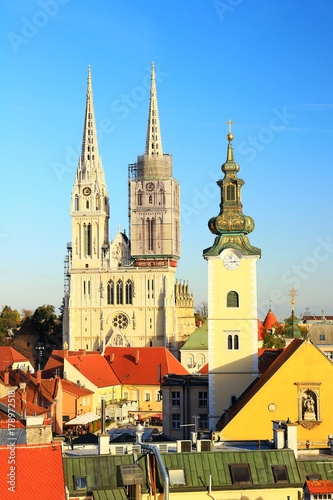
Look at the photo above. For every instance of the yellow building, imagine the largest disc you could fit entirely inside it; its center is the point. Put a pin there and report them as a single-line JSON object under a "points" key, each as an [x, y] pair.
{"points": [[297, 388]]}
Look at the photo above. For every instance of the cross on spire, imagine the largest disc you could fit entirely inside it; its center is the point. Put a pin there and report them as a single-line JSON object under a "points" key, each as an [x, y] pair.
{"points": [[292, 294], [229, 122]]}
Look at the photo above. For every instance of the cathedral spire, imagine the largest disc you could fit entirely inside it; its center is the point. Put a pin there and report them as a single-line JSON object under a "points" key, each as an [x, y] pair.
{"points": [[89, 142], [153, 140]]}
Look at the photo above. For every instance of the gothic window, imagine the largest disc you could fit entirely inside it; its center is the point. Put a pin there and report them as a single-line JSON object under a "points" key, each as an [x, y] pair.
{"points": [[150, 199], [150, 233], [120, 321], [120, 292], [231, 192], [229, 342], [118, 340], [76, 203], [87, 229], [87, 204], [139, 198], [232, 299], [110, 292], [129, 292]]}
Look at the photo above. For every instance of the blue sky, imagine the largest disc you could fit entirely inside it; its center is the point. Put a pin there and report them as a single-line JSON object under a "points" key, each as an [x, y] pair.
{"points": [[267, 65]]}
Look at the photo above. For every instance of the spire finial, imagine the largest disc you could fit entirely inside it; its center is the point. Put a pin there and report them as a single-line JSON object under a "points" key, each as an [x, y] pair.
{"points": [[153, 139], [230, 135]]}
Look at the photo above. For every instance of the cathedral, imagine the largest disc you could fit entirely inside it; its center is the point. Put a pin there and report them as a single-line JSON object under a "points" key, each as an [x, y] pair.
{"points": [[124, 292]]}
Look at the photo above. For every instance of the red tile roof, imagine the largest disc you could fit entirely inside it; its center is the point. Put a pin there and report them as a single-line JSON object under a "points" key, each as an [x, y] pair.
{"points": [[38, 472], [29, 405], [56, 360], [143, 365], [319, 486], [8, 356], [267, 356], [74, 389], [270, 320], [261, 330], [203, 369], [95, 368]]}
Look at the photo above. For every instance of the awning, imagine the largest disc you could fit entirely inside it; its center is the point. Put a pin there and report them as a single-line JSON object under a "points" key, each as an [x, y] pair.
{"points": [[84, 419]]}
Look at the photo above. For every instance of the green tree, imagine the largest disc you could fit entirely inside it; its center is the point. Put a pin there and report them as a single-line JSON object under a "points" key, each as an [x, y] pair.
{"points": [[49, 326], [276, 337], [201, 311], [9, 319]]}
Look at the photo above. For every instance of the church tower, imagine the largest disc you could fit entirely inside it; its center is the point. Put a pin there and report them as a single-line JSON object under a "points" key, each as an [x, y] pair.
{"points": [[232, 295], [154, 198], [90, 202], [123, 292]]}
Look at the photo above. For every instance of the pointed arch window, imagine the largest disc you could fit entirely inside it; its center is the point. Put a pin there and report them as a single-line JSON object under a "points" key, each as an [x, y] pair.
{"points": [[140, 198], [232, 299], [150, 233], [110, 292], [76, 203], [87, 230], [120, 292], [231, 192], [229, 342], [129, 292]]}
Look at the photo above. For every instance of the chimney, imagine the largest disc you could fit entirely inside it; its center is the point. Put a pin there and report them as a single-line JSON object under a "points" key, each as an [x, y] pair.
{"points": [[17, 377], [137, 357], [6, 377], [65, 353], [111, 357], [28, 374], [38, 377]]}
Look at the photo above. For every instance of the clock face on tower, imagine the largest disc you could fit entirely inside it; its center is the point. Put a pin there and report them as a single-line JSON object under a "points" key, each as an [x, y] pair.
{"points": [[86, 191], [150, 186], [231, 261]]}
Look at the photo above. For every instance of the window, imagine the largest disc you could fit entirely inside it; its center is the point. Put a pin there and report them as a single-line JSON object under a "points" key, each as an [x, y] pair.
{"points": [[150, 233], [125, 395], [231, 193], [76, 203], [190, 361], [233, 342], [158, 396], [321, 337], [150, 288], [129, 292], [80, 482], [120, 321], [176, 476], [313, 477], [175, 398], [88, 239], [203, 400], [139, 198], [110, 292], [232, 299], [240, 473], [203, 421], [175, 421], [280, 474], [120, 292], [147, 396], [329, 354], [236, 342]]}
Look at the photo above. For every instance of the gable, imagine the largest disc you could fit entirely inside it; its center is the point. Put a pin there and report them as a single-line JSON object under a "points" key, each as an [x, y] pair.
{"points": [[277, 394]]}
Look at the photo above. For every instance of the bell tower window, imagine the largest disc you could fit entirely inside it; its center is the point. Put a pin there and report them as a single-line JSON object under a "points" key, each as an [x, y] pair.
{"points": [[120, 292], [231, 192], [110, 292], [87, 235], [232, 299]]}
